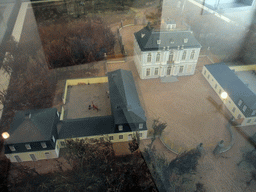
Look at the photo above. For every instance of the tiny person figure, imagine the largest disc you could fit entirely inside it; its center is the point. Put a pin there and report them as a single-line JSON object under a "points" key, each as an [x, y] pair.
{"points": [[89, 107]]}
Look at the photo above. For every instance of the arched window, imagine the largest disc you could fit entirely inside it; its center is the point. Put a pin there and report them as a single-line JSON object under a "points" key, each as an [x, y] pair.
{"points": [[184, 55], [149, 58], [158, 55], [171, 56], [192, 56]]}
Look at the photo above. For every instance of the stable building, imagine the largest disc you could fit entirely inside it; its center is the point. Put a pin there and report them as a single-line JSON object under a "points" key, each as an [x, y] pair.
{"points": [[241, 100], [39, 134]]}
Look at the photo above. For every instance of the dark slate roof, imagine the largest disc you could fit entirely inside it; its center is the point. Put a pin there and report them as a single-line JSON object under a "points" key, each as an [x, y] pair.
{"points": [[86, 127], [37, 128], [124, 98], [235, 88], [147, 39], [170, 21]]}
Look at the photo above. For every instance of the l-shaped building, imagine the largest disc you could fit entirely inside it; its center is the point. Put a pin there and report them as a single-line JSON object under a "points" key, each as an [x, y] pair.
{"points": [[241, 100], [39, 134]]}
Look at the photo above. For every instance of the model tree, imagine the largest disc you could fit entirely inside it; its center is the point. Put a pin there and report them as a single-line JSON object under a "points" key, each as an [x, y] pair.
{"points": [[76, 42]]}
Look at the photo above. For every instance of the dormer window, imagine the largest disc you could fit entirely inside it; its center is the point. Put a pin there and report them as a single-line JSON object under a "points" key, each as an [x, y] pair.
{"points": [[240, 102], [142, 35], [171, 41], [53, 139], [43, 144], [12, 148], [244, 108], [253, 112], [186, 40], [120, 127], [158, 42], [141, 126], [28, 147]]}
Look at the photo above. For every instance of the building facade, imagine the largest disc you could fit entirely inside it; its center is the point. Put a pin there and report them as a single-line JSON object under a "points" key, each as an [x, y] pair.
{"points": [[164, 53], [241, 101]]}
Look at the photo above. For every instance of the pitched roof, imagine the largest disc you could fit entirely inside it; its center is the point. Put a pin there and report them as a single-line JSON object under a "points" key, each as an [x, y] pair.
{"points": [[229, 81], [124, 98], [147, 39], [86, 127], [37, 127]]}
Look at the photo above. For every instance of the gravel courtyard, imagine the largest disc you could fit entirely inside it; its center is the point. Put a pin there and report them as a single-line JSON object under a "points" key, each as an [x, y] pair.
{"points": [[81, 96], [190, 109]]}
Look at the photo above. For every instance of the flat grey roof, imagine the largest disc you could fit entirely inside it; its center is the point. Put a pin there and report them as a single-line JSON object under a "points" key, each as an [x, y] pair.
{"points": [[235, 88], [84, 127]]}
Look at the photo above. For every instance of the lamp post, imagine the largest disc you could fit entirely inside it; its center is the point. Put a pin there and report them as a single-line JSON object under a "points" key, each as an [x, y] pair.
{"points": [[4, 136], [224, 96]]}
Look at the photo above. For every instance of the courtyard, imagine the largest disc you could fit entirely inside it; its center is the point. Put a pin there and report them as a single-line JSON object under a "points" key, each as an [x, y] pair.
{"points": [[192, 111], [79, 97]]}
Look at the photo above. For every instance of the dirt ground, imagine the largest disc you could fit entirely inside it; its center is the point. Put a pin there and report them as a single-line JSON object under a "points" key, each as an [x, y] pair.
{"points": [[81, 96], [192, 118]]}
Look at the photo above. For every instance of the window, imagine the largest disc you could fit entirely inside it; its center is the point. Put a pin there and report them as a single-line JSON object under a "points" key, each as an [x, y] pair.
{"points": [[18, 159], [208, 77], [111, 138], [253, 112], [148, 72], [158, 42], [120, 127], [216, 86], [140, 134], [181, 69], [43, 144], [169, 69], [239, 116], [121, 136], [53, 139], [204, 72], [234, 109], [240, 102], [63, 143], [28, 147], [156, 71], [249, 120], [33, 157], [130, 137], [141, 126], [192, 55], [12, 148], [171, 56], [149, 58], [184, 55], [220, 91], [244, 108], [158, 55]]}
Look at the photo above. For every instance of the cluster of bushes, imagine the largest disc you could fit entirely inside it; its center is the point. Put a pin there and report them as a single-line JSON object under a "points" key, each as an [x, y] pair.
{"points": [[76, 43]]}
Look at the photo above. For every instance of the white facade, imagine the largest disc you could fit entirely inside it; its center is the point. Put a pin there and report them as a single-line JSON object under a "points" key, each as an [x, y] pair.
{"points": [[231, 105], [165, 62]]}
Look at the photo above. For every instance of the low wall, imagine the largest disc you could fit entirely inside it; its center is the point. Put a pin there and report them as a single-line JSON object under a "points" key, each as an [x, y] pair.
{"points": [[243, 68], [84, 81]]}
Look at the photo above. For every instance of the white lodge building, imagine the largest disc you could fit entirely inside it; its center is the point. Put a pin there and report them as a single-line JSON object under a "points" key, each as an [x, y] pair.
{"points": [[168, 52]]}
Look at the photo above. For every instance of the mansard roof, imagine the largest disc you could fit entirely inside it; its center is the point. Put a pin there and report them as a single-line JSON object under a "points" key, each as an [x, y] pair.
{"points": [[150, 40]]}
